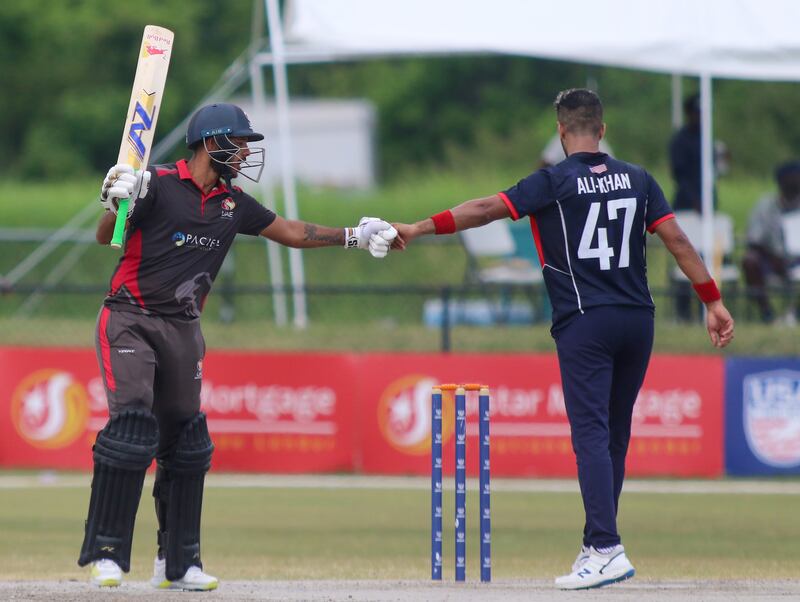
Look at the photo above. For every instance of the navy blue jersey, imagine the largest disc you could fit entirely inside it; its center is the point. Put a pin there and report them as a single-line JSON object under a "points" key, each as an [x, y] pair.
{"points": [[589, 215]]}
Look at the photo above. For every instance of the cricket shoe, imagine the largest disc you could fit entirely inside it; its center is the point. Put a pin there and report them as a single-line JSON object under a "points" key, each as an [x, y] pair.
{"points": [[598, 569], [194, 580], [105, 573]]}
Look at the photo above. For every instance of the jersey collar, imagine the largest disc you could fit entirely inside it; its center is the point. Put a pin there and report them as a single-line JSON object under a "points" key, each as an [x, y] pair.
{"points": [[587, 156], [185, 174]]}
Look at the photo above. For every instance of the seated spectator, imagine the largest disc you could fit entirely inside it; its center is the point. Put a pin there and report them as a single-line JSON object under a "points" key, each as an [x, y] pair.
{"points": [[766, 253]]}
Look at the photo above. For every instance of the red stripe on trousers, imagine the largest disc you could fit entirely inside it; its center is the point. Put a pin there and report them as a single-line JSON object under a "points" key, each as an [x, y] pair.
{"points": [[105, 349]]}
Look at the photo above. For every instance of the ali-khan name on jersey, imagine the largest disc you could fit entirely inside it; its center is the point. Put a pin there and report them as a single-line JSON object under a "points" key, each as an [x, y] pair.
{"points": [[607, 183]]}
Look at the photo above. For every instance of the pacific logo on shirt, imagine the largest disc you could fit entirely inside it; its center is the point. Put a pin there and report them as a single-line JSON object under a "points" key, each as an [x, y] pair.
{"points": [[204, 243]]}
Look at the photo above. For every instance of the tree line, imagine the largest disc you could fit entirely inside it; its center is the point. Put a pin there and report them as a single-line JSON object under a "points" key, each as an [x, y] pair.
{"points": [[67, 67]]}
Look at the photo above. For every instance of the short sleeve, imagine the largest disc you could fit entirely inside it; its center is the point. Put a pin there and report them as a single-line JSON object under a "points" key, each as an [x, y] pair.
{"points": [[145, 205], [529, 195], [658, 209], [255, 216]]}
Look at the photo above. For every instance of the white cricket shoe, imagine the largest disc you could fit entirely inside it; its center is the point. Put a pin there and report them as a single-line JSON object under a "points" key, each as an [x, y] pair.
{"points": [[105, 573], [598, 570], [194, 579]]}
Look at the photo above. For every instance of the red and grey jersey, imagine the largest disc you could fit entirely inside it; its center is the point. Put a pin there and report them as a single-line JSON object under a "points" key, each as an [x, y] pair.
{"points": [[176, 242], [589, 215]]}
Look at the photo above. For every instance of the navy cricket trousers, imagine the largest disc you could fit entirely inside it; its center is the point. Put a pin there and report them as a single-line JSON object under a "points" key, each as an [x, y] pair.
{"points": [[603, 356]]}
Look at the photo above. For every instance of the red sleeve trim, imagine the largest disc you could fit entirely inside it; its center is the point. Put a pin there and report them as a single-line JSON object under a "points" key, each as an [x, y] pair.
{"points": [[510, 205], [652, 227], [444, 222], [163, 171]]}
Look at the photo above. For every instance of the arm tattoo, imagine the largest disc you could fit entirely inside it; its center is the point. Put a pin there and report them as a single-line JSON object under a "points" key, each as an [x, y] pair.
{"points": [[312, 233]]}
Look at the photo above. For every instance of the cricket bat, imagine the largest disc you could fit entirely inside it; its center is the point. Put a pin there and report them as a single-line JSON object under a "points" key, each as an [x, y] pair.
{"points": [[140, 125]]}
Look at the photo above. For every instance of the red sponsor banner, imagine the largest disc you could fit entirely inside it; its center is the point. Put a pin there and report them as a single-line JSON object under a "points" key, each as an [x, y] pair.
{"points": [[281, 412], [52, 403], [266, 412], [308, 412], [529, 432], [678, 418], [677, 427]]}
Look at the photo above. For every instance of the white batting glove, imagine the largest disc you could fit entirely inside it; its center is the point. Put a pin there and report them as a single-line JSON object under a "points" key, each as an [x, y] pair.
{"points": [[122, 182], [373, 234], [380, 243]]}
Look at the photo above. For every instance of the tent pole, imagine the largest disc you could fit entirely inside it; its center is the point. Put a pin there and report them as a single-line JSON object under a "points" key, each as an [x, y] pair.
{"points": [[707, 161], [287, 165], [274, 255], [677, 101]]}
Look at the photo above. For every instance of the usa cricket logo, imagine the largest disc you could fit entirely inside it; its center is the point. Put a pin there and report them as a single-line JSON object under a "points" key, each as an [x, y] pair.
{"points": [[772, 416]]}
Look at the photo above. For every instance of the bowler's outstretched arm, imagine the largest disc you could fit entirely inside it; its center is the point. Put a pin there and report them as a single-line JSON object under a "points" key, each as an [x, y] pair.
{"points": [[470, 214]]}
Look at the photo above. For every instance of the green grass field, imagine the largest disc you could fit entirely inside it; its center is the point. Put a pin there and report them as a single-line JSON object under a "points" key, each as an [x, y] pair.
{"points": [[751, 338], [329, 533], [52, 204]]}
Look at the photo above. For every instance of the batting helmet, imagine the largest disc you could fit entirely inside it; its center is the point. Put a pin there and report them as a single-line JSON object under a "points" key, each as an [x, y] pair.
{"points": [[220, 118], [224, 122]]}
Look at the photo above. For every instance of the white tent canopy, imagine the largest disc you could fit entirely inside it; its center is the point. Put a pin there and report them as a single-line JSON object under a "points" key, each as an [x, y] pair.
{"points": [[740, 39]]}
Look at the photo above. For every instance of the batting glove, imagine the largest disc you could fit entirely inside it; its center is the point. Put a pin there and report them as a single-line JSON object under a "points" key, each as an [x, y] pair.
{"points": [[122, 182], [372, 234]]}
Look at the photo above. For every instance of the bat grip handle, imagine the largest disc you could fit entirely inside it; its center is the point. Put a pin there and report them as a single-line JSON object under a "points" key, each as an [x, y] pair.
{"points": [[119, 225]]}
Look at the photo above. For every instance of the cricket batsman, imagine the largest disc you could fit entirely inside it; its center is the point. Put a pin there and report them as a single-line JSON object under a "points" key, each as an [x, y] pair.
{"points": [[182, 219]]}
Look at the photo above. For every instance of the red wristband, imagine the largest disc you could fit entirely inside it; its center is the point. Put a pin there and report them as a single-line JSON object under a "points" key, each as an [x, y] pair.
{"points": [[707, 291], [444, 222]]}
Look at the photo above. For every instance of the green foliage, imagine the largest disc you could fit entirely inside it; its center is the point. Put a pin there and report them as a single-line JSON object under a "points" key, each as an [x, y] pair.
{"points": [[432, 108], [455, 111], [68, 67]]}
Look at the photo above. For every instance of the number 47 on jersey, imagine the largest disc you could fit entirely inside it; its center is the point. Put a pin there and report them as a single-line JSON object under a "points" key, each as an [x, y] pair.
{"points": [[603, 251]]}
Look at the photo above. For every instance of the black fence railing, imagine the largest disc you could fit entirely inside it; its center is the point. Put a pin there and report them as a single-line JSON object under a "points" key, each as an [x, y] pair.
{"points": [[427, 307]]}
